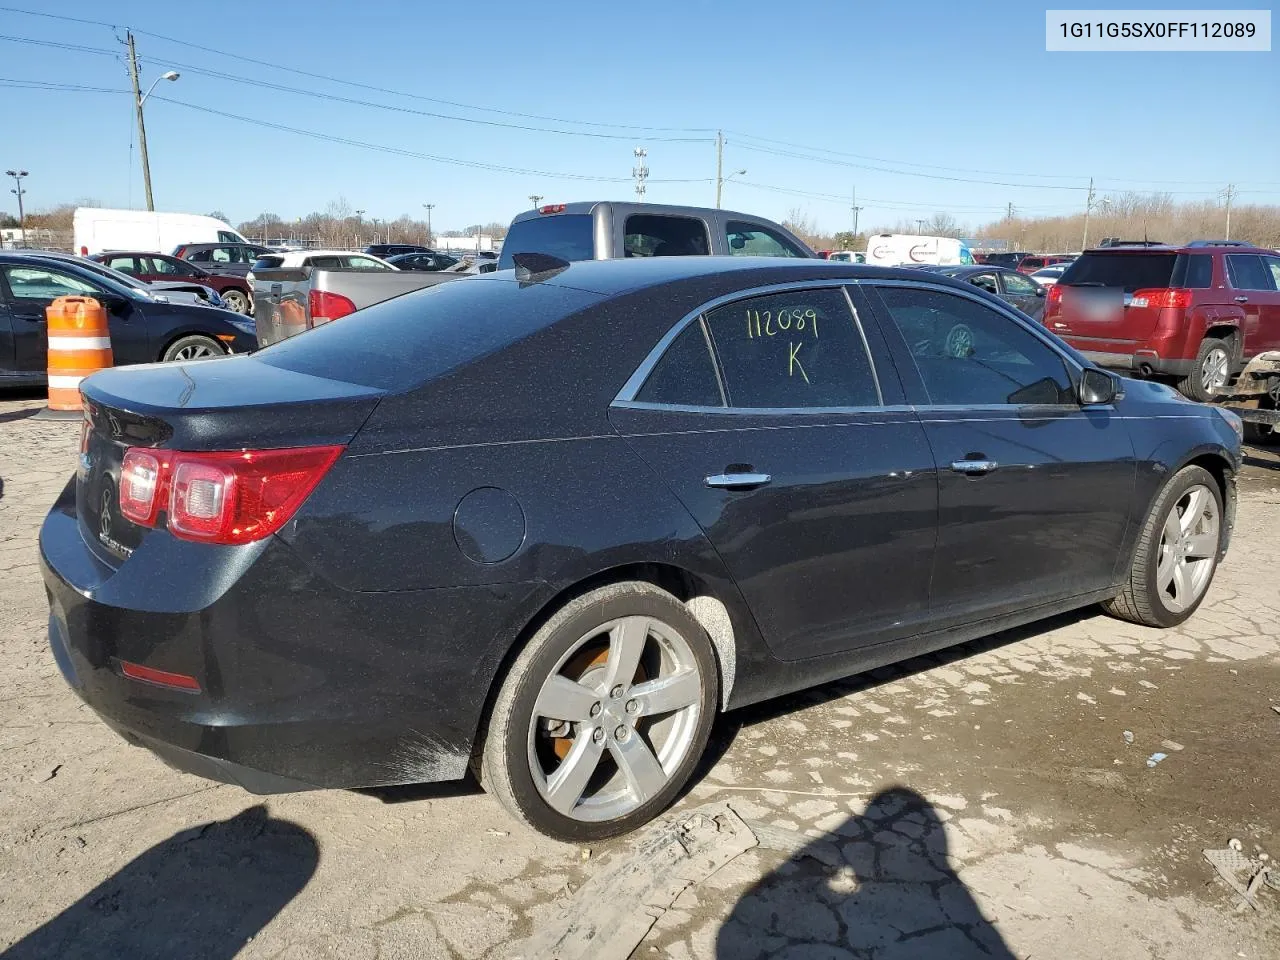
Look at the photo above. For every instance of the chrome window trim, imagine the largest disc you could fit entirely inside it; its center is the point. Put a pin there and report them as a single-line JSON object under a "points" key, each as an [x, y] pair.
{"points": [[627, 395], [899, 408]]}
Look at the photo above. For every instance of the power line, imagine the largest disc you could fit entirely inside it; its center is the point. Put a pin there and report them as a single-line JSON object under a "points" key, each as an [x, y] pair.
{"points": [[51, 85], [354, 83], [400, 151]]}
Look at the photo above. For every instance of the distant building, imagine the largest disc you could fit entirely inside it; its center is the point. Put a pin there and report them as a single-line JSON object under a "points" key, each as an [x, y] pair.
{"points": [[467, 244]]}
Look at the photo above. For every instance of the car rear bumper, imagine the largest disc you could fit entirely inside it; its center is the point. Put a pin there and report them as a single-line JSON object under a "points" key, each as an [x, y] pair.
{"points": [[302, 685], [1145, 361]]}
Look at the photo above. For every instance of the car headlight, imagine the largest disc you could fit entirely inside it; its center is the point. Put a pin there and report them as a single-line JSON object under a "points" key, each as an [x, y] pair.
{"points": [[1233, 421]]}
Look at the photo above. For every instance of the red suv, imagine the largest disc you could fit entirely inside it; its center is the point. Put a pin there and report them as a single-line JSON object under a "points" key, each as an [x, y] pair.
{"points": [[1195, 314], [1033, 263], [233, 289]]}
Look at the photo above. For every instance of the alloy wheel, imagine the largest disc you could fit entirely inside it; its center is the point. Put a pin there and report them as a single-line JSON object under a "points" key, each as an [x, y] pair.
{"points": [[1188, 549], [1213, 370], [615, 719], [195, 351]]}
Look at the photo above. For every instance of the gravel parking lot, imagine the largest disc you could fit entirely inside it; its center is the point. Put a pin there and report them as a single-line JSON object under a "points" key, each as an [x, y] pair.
{"points": [[994, 801]]}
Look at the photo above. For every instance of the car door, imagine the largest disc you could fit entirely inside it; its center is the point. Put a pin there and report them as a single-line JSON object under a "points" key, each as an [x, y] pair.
{"points": [[1254, 289], [1023, 293], [32, 287], [8, 352], [1033, 489], [778, 421]]}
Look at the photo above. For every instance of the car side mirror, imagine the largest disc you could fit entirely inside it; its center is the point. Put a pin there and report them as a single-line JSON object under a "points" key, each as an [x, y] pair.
{"points": [[1097, 387], [1040, 291], [112, 303]]}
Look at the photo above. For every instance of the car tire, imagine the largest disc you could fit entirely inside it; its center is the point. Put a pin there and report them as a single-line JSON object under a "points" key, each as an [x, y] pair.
{"points": [[236, 301], [1212, 366], [194, 346], [1156, 593], [530, 759]]}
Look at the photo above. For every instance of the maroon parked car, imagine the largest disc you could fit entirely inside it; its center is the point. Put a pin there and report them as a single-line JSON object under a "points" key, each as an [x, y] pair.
{"points": [[157, 266]]}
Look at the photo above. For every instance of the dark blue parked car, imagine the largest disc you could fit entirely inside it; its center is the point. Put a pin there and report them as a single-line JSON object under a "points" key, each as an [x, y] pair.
{"points": [[549, 522]]}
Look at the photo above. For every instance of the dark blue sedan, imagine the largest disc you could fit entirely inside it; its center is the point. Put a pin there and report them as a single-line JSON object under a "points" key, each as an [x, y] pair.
{"points": [[549, 522]]}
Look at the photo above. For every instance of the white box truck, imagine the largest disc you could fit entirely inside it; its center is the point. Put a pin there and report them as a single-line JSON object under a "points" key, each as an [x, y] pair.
{"points": [[97, 229], [904, 249]]}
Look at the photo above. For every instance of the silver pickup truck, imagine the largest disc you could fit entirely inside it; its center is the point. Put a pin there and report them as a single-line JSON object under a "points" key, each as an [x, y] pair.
{"points": [[293, 292]]}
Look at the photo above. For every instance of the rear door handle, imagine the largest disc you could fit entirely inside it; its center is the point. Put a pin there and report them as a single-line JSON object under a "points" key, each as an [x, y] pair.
{"points": [[973, 468], [1242, 299], [738, 481]]}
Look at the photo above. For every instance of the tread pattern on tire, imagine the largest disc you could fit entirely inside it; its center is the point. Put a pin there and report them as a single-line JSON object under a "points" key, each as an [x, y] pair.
{"points": [[490, 769], [1134, 603]]}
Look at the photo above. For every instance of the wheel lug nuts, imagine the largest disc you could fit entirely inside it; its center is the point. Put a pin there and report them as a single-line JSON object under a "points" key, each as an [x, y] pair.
{"points": [[616, 692], [620, 733], [598, 735], [596, 708], [633, 706]]}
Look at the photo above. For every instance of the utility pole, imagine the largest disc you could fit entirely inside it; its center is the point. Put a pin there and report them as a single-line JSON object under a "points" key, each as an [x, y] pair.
{"points": [[1088, 205], [428, 207], [142, 127], [22, 217], [920, 225], [641, 172], [855, 210], [1008, 215], [719, 165], [535, 199], [1229, 194]]}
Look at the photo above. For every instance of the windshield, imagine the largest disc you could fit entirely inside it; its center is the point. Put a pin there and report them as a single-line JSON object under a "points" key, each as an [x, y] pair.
{"points": [[113, 280], [1132, 271]]}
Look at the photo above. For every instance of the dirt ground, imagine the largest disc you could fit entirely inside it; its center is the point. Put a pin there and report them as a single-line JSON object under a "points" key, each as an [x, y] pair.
{"points": [[986, 802]]}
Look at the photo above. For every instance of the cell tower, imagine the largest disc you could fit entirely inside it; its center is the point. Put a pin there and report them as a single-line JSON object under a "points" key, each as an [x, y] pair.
{"points": [[640, 171]]}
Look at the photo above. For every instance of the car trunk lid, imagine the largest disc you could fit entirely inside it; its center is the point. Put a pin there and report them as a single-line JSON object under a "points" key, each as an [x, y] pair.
{"points": [[1109, 295], [235, 403]]}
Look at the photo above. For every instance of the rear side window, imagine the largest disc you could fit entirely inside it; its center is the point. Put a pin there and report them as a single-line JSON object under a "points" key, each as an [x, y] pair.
{"points": [[685, 374], [567, 236], [127, 265], [200, 256], [1248, 272], [1132, 271], [1194, 271], [1032, 263], [225, 237], [647, 235], [753, 240], [790, 350], [268, 263], [361, 263]]}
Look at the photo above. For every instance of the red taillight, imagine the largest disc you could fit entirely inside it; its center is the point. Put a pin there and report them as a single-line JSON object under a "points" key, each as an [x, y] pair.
{"points": [[140, 481], [180, 252], [1052, 298], [552, 208], [162, 678], [327, 306], [226, 496], [1161, 298]]}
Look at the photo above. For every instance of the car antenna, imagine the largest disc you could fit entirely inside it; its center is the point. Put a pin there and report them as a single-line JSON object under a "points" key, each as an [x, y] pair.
{"points": [[535, 267]]}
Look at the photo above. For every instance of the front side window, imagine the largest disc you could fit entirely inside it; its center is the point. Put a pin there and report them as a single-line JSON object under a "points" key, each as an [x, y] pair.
{"points": [[1273, 266], [685, 375], [223, 255], [42, 283], [753, 240], [1016, 285], [647, 235], [227, 237], [363, 263], [1248, 272], [971, 355], [801, 348]]}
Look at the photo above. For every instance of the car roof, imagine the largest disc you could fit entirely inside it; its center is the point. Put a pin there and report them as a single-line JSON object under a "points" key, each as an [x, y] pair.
{"points": [[614, 277], [587, 206], [1178, 248]]}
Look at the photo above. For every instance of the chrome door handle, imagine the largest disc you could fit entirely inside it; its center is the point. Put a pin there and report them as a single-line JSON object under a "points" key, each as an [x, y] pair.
{"points": [[1242, 299], [973, 468], [738, 481]]}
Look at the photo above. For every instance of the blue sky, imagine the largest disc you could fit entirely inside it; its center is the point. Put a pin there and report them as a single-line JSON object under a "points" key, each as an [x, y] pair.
{"points": [[889, 90]]}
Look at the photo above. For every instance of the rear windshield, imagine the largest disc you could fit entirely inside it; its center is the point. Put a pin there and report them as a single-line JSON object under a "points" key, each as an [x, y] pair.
{"points": [[1132, 271], [404, 342], [1003, 259], [567, 236]]}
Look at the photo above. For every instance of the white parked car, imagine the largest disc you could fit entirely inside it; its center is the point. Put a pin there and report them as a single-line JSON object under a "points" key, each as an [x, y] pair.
{"points": [[1048, 276]]}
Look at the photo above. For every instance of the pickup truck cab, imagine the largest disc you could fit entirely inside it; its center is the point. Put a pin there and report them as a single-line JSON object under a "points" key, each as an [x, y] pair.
{"points": [[296, 291], [607, 230]]}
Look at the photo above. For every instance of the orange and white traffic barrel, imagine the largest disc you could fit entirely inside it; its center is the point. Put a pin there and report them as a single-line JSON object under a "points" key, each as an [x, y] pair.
{"points": [[79, 344]]}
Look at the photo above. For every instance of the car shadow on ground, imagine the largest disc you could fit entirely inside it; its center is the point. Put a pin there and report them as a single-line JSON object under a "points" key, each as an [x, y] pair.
{"points": [[878, 885], [200, 895]]}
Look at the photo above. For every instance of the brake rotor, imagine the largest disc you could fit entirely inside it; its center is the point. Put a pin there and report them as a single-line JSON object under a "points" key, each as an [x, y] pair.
{"points": [[587, 659]]}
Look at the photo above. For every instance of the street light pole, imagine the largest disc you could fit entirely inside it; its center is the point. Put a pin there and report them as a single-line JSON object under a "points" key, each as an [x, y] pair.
{"points": [[535, 199], [428, 207], [139, 99], [22, 217]]}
